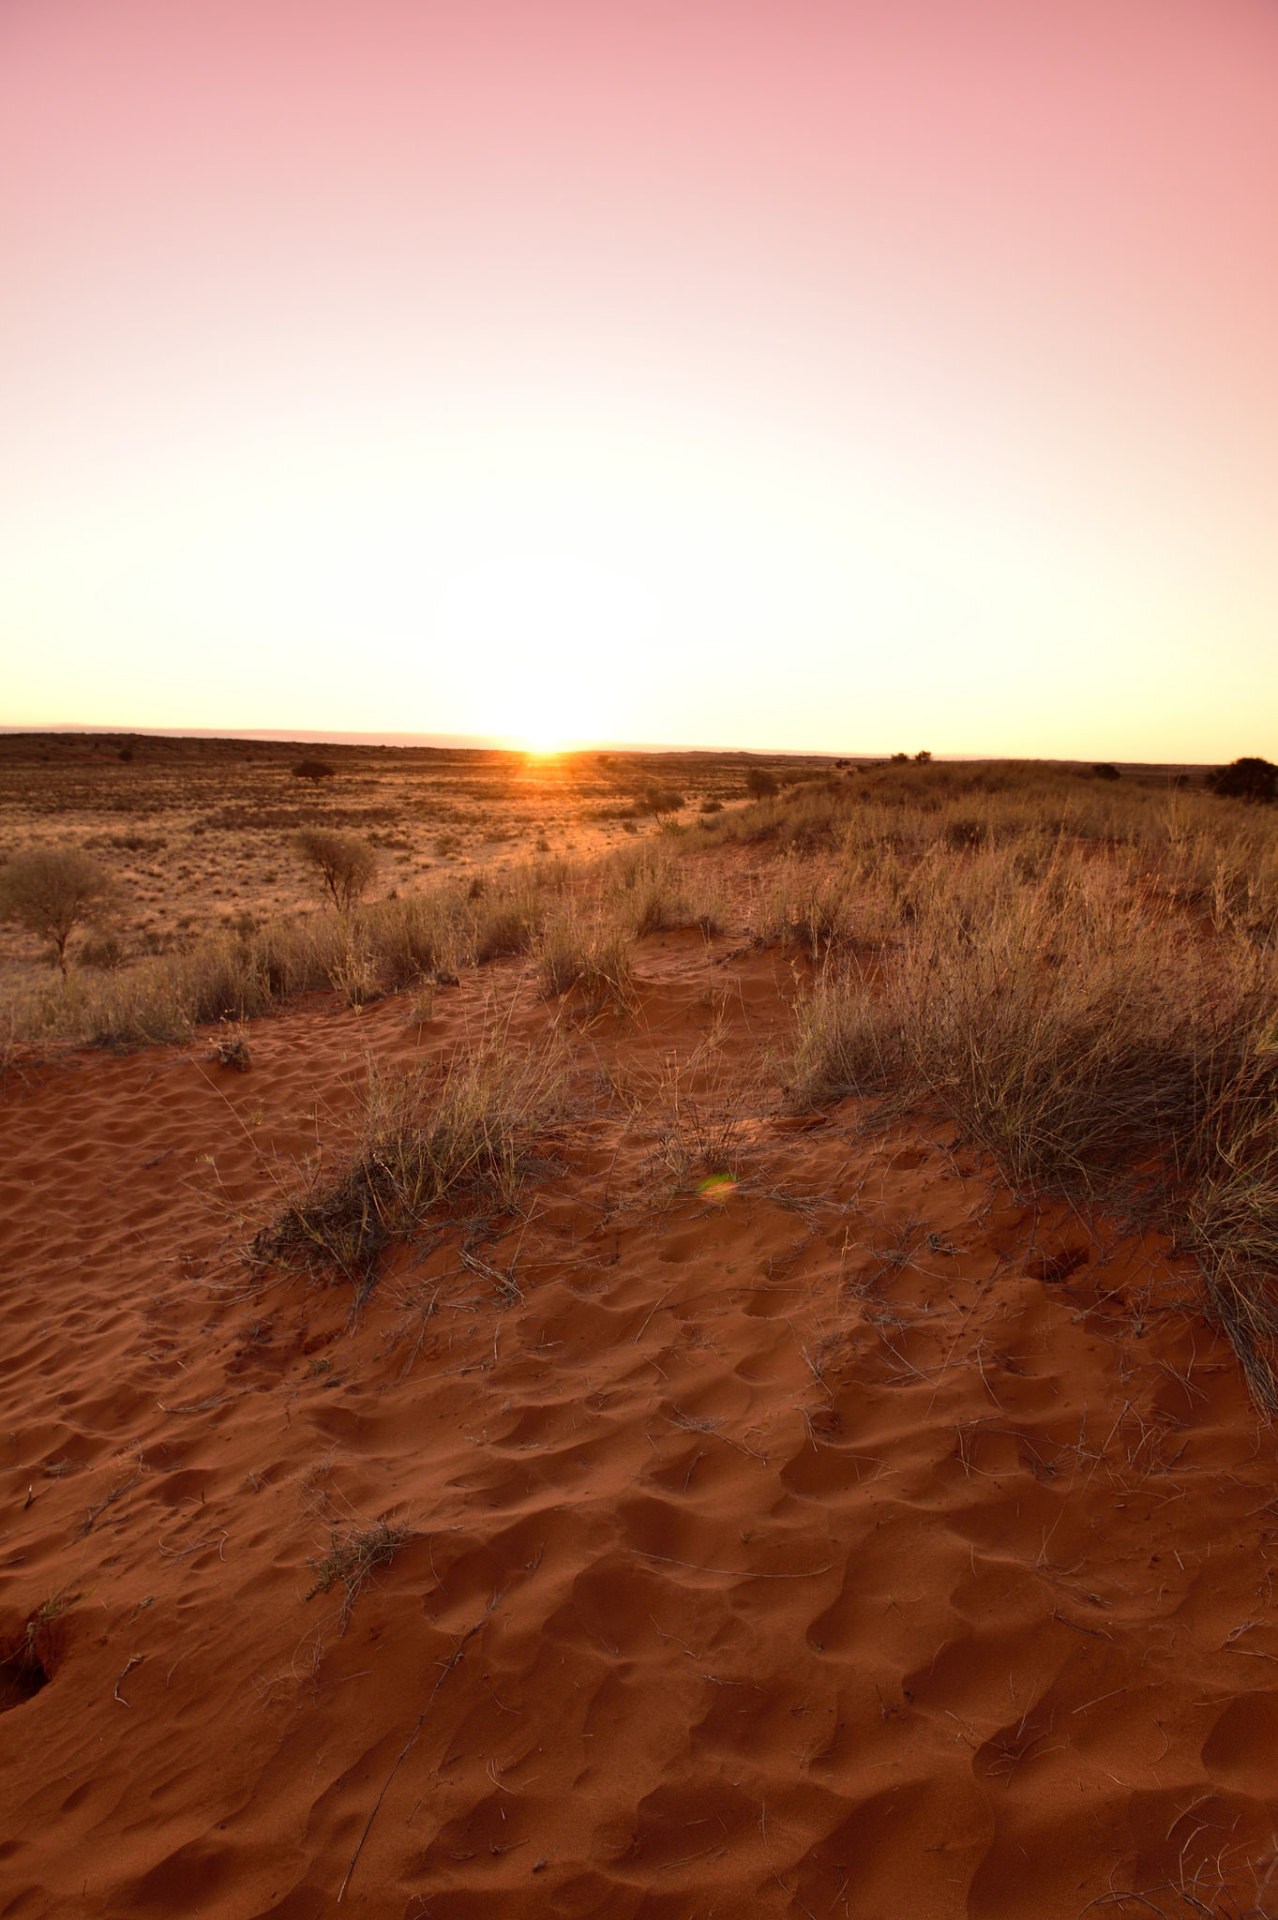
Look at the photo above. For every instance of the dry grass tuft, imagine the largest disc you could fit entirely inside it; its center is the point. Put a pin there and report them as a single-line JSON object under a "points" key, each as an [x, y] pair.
{"points": [[354, 1555], [426, 1141]]}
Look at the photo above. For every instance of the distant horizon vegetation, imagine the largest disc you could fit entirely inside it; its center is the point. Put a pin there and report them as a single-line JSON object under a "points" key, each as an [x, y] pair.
{"points": [[494, 743]]}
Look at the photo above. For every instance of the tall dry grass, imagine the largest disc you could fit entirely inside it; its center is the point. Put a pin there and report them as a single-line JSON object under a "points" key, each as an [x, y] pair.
{"points": [[1088, 1012], [593, 959]]}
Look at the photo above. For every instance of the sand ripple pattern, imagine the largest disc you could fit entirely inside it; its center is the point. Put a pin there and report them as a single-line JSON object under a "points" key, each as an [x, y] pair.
{"points": [[872, 1545]]}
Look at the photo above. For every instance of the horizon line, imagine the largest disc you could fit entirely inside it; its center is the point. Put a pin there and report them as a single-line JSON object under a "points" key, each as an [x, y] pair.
{"points": [[499, 743]]}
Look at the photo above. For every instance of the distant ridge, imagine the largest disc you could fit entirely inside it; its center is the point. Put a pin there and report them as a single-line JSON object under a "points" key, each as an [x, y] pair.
{"points": [[475, 742]]}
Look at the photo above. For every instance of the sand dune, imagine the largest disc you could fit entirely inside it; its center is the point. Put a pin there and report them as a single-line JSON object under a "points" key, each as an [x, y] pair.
{"points": [[863, 1540]]}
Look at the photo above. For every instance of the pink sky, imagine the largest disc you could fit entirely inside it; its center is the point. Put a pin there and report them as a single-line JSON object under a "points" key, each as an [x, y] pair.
{"points": [[768, 372]]}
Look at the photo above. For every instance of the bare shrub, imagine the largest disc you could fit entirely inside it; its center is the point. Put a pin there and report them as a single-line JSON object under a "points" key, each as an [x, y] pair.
{"points": [[52, 891], [345, 863]]}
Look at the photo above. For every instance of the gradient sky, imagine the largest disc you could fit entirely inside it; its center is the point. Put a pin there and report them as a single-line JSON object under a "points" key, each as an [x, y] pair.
{"points": [[831, 374]]}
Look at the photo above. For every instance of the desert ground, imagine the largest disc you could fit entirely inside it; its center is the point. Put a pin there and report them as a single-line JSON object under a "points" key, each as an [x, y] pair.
{"points": [[198, 834], [730, 1375]]}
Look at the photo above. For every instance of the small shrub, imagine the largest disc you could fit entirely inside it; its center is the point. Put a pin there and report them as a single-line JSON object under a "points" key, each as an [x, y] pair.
{"points": [[843, 1042], [658, 909], [760, 784], [660, 801], [52, 891], [423, 1006], [1106, 770], [1074, 1031], [231, 1049], [806, 909], [345, 864], [315, 770]]}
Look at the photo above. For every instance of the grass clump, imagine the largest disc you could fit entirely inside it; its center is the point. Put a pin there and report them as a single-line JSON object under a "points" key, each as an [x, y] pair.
{"points": [[426, 1141], [655, 890], [597, 961]]}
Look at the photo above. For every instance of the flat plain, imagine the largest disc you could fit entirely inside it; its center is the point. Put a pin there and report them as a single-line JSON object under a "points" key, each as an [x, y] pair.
{"points": [[197, 834]]}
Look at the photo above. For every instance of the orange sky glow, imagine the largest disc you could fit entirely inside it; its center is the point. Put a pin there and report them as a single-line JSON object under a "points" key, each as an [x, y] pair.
{"points": [[797, 374]]}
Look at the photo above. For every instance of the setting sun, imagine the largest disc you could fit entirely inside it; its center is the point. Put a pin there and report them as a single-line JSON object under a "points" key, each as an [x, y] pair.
{"points": [[565, 636]]}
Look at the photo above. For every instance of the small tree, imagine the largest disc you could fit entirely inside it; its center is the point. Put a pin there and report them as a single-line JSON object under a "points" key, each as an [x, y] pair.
{"points": [[345, 863], [924, 756], [760, 783], [1245, 779], [315, 770], [52, 890], [1106, 770]]}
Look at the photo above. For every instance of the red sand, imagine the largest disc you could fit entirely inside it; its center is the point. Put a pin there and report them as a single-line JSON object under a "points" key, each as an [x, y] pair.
{"points": [[868, 1544]]}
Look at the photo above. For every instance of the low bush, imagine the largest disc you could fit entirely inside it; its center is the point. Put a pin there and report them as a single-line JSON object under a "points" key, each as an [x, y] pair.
{"points": [[1247, 779]]}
